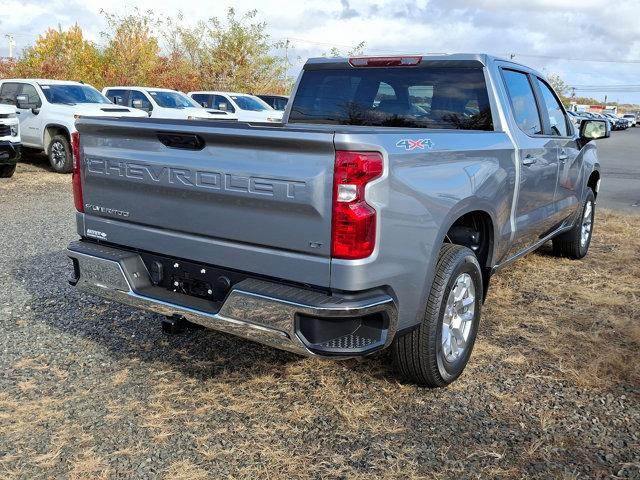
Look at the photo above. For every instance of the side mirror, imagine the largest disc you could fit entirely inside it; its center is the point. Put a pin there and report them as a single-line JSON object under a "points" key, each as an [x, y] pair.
{"points": [[222, 106], [593, 129], [22, 102]]}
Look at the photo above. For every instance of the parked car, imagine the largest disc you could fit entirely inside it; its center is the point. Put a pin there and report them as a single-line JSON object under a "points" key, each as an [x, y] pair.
{"points": [[577, 117], [617, 123], [601, 116], [277, 102], [373, 218], [163, 103], [248, 108], [631, 117], [10, 146], [47, 111]]}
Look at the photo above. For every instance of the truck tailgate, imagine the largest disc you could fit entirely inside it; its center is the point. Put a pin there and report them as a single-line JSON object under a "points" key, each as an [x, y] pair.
{"points": [[223, 194]]}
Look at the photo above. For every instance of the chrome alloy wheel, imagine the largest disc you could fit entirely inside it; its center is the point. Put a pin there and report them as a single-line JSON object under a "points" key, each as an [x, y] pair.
{"points": [[587, 222], [458, 317], [58, 154]]}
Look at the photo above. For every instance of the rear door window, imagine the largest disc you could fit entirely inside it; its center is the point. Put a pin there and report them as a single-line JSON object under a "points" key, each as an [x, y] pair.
{"points": [[420, 97], [523, 102]]}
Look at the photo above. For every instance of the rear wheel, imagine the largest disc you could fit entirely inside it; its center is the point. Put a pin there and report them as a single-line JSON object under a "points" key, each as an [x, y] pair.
{"points": [[575, 243], [60, 154], [436, 353], [7, 171]]}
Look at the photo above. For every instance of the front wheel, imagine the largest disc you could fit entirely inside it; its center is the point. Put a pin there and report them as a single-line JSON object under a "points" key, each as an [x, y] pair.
{"points": [[7, 171], [575, 243], [60, 156], [436, 353]]}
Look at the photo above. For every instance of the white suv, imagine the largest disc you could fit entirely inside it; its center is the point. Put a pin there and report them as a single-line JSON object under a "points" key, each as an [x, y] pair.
{"points": [[248, 108], [47, 110], [9, 140], [631, 117], [163, 103]]}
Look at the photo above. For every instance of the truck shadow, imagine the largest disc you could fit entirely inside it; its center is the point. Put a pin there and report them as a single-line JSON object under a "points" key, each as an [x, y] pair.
{"points": [[129, 334], [35, 160]]}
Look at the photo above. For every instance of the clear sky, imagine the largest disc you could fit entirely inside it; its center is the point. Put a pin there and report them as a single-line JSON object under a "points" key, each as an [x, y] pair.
{"points": [[550, 35]]}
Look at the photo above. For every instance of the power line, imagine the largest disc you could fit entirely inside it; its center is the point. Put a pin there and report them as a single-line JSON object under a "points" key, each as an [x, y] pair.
{"points": [[510, 54], [571, 59]]}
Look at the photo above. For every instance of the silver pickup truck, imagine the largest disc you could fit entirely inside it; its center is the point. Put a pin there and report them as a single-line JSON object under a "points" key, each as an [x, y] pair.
{"points": [[372, 217]]}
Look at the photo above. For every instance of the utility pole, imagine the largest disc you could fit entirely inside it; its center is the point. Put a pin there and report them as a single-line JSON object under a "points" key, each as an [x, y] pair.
{"points": [[12, 43]]}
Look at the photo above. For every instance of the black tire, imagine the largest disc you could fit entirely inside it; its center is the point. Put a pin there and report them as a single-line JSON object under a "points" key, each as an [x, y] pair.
{"points": [[418, 356], [7, 171], [570, 244], [60, 155]]}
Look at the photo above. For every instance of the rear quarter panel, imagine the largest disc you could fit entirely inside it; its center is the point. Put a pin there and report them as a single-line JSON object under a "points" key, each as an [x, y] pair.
{"points": [[423, 191]]}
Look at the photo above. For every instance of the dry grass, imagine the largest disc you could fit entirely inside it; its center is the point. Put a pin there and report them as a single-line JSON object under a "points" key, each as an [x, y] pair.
{"points": [[582, 318], [557, 337]]}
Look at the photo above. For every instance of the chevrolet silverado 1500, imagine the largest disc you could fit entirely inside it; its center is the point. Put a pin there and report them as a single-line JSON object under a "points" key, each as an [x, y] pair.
{"points": [[372, 217]]}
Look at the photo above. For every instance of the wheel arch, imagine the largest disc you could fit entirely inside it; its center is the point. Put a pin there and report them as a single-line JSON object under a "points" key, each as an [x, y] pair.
{"points": [[485, 217], [593, 182], [50, 131], [473, 225]]}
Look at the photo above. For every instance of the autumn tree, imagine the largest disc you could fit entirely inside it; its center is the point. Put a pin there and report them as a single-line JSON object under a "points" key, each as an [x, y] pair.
{"points": [[7, 67], [354, 51], [132, 52], [234, 54], [62, 55], [558, 84]]}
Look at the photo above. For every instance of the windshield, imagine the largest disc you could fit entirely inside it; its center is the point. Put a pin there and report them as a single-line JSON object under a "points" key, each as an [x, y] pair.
{"points": [[245, 102], [430, 97], [172, 99], [630, 116], [72, 94]]}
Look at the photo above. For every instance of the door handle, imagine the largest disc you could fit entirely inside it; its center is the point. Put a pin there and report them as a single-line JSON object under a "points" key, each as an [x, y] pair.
{"points": [[528, 160]]}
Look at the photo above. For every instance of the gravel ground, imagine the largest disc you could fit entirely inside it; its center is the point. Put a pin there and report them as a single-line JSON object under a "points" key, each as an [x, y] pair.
{"points": [[91, 389]]}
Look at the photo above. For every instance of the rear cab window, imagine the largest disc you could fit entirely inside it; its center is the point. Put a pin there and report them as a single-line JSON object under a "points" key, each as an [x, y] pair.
{"points": [[411, 97]]}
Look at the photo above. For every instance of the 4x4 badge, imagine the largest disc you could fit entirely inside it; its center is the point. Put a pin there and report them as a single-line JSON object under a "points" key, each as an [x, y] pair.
{"points": [[413, 144]]}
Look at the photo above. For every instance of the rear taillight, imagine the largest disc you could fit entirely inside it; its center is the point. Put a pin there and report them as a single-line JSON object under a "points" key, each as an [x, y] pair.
{"points": [[353, 226], [405, 61], [77, 166]]}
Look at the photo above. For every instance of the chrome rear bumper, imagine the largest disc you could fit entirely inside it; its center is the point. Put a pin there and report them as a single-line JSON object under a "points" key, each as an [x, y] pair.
{"points": [[255, 309]]}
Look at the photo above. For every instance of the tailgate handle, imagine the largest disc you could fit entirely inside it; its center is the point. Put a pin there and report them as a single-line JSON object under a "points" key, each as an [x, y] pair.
{"points": [[183, 141]]}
